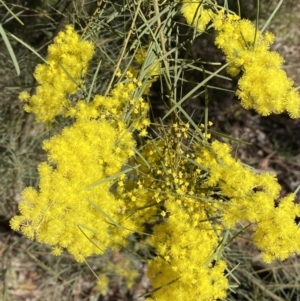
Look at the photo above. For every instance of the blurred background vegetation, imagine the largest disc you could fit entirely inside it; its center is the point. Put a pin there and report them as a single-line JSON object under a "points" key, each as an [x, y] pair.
{"points": [[27, 270]]}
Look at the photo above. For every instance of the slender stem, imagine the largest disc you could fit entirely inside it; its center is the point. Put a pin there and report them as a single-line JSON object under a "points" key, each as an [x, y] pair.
{"points": [[124, 47], [164, 51], [206, 106], [239, 8], [256, 27]]}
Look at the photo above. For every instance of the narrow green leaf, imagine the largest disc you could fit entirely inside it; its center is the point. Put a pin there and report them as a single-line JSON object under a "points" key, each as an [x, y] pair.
{"points": [[27, 46], [91, 270], [297, 189], [271, 16], [112, 221], [111, 177], [12, 13], [229, 137], [158, 288], [141, 156], [93, 82], [177, 105], [10, 49]]}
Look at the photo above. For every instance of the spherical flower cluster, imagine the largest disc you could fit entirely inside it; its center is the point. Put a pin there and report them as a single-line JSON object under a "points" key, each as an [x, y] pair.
{"points": [[196, 14], [277, 233], [67, 63], [263, 86], [65, 212], [253, 197]]}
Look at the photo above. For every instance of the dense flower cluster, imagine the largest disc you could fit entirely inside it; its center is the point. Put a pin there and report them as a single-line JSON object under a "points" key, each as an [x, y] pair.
{"points": [[98, 186], [277, 233], [196, 14], [67, 63], [181, 270], [263, 86], [253, 197], [65, 212]]}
